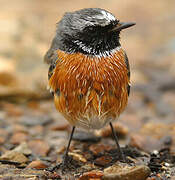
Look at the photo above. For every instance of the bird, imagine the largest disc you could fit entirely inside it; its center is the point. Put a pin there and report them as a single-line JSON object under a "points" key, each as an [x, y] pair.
{"points": [[89, 73]]}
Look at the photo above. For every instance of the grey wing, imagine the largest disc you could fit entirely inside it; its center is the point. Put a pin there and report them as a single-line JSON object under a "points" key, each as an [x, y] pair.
{"points": [[51, 55], [128, 67], [51, 70]]}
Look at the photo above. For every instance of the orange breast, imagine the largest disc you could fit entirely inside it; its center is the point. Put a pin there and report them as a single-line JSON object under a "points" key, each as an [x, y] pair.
{"points": [[91, 90]]}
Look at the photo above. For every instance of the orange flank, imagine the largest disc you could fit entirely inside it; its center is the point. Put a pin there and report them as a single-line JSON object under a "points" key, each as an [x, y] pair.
{"points": [[91, 90]]}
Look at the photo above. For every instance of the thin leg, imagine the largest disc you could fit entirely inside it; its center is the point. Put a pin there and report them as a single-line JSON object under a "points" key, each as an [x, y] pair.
{"points": [[70, 139], [65, 158], [118, 146]]}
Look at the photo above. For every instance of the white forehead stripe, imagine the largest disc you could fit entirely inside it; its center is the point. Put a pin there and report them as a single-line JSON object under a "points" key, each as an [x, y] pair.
{"points": [[107, 16]]}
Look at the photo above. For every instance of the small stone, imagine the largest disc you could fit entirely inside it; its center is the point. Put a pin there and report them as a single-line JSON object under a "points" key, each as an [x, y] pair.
{"points": [[60, 127], [125, 172], [85, 137], [2, 140], [99, 148], [3, 132], [155, 152], [167, 140], [160, 129], [151, 178], [36, 120], [14, 156], [103, 161], [92, 175], [136, 141], [167, 164], [19, 128], [39, 147], [37, 130], [23, 148], [33, 105], [19, 137], [146, 143], [52, 175], [13, 110], [3, 135], [77, 157], [7, 79], [87, 155], [118, 127], [37, 165]]}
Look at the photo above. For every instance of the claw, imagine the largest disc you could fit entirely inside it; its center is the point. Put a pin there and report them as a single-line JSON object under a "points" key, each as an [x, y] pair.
{"points": [[63, 166]]}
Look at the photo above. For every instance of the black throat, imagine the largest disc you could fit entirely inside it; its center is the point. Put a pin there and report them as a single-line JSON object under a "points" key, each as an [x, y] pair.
{"points": [[91, 41]]}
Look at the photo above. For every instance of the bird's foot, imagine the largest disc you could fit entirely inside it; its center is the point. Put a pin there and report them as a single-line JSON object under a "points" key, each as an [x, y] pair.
{"points": [[63, 166], [123, 158]]}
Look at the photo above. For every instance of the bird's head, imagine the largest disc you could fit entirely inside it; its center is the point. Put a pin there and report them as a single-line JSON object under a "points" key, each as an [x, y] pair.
{"points": [[91, 31]]}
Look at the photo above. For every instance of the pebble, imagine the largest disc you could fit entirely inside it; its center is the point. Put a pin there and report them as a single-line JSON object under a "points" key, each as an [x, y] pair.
{"points": [[60, 127], [37, 130], [145, 142], [2, 140], [167, 164], [14, 156], [19, 137], [19, 128], [99, 148], [126, 172], [88, 155], [39, 147], [103, 161], [52, 175], [92, 175], [155, 152], [37, 165], [36, 120], [85, 137], [23, 148], [77, 157], [3, 135], [157, 130], [118, 127], [13, 110], [167, 140]]}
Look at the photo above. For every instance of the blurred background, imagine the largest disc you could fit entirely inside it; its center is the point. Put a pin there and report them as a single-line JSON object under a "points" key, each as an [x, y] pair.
{"points": [[26, 30]]}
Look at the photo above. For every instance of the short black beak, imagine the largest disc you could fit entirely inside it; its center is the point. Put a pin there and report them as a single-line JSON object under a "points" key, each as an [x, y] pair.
{"points": [[122, 25]]}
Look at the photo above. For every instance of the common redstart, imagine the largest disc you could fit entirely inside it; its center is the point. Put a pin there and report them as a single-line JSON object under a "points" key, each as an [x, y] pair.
{"points": [[89, 74]]}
